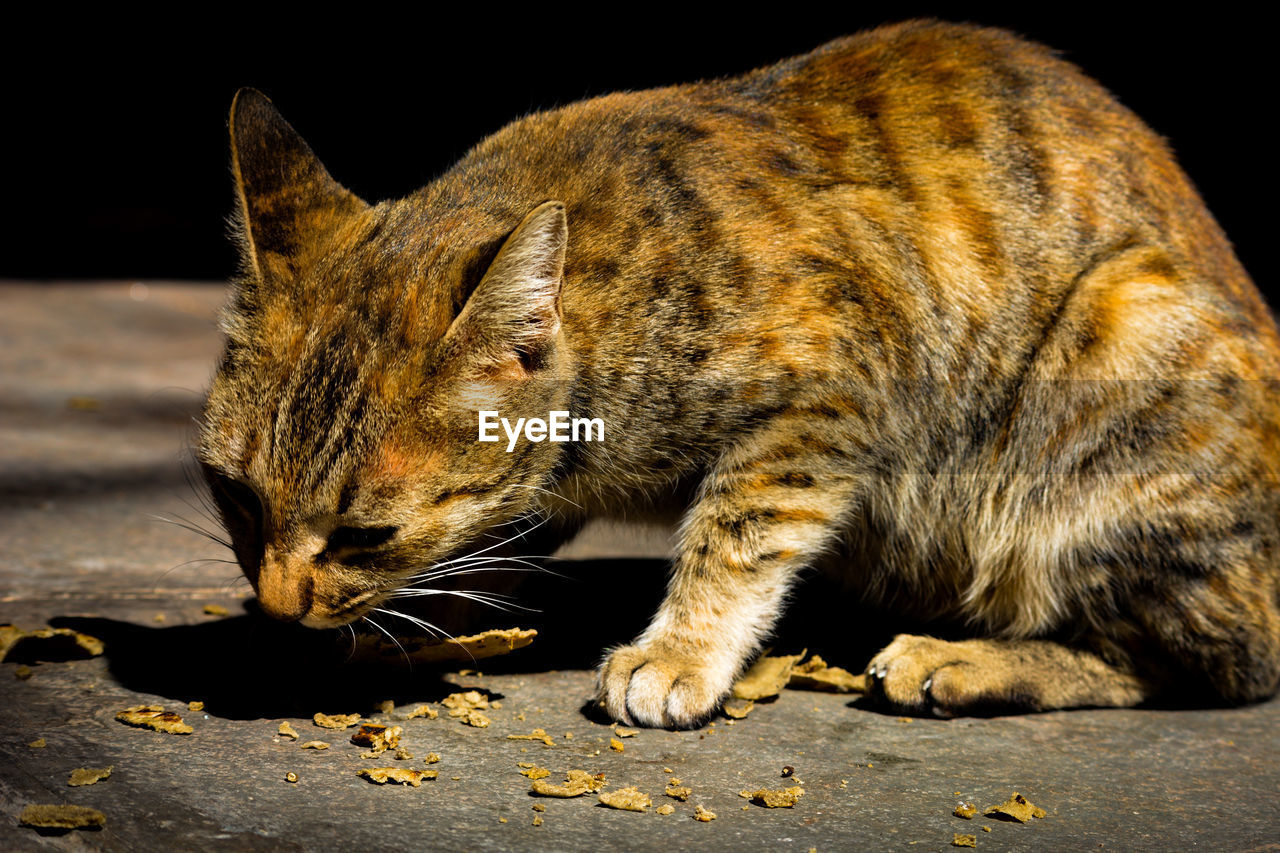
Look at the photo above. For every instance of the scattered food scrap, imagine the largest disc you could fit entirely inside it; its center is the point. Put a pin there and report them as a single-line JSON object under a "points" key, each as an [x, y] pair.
{"points": [[195, 706], [816, 674], [154, 717], [676, 791], [377, 737], [47, 643], [960, 840], [628, 799], [432, 650], [965, 810], [38, 743], [536, 734], [431, 758], [88, 775], [783, 799], [577, 783], [738, 710], [539, 807], [620, 731], [474, 718], [313, 744], [1015, 808], [399, 775], [288, 731], [216, 610], [23, 672], [616, 745], [788, 771], [466, 701], [537, 820], [335, 721], [422, 711], [535, 772], [62, 817], [703, 814], [291, 777], [767, 677], [665, 808], [403, 754], [387, 707]]}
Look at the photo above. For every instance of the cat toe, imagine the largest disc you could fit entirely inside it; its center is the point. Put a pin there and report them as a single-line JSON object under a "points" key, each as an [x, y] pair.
{"points": [[643, 687]]}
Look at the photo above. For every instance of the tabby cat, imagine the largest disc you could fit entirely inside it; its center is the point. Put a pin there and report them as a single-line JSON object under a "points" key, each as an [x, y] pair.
{"points": [[926, 307]]}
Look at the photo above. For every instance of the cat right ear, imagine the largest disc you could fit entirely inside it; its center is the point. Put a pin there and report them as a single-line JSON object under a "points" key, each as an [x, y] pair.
{"points": [[287, 200]]}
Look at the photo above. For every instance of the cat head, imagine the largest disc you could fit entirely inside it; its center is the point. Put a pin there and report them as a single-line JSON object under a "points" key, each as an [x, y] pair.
{"points": [[339, 437]]}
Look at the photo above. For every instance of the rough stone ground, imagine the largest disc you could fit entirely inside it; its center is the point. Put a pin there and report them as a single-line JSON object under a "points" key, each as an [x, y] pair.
{"points": [[97, 387]]}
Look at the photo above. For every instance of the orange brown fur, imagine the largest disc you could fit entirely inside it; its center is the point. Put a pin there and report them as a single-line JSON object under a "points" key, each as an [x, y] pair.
{"points": [[926, 305]]}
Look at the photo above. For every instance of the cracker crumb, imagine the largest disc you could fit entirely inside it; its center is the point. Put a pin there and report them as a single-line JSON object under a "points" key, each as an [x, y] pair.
{"points": [[817, 674], [475, 718], [155, 718], [627, 799], [577, 783], [386, 707], [502, 820], [38, 743], [216, 610], [667, 770], [22, 672], [88, 775], [539, 807], [378, 738], [470, 700], [783, 799], [702, 814], [986, 829], [616, 745], [335, 721], [400, 775], [159, 617], [964, 840], [676, 791], [536, 734], [568, 735], [61, 817], [195, 706], [536, 772], [766, 677], [291, 777], [48, 643], [432, 758], [422, 711], [314, 744], [537, 820], [625, 732], [965, 810], [665, 808], [286, 730], [1015, 808], [738, 710]]}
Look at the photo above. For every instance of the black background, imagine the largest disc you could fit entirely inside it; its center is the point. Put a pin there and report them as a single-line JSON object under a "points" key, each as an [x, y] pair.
{"points": [[114, 133]]}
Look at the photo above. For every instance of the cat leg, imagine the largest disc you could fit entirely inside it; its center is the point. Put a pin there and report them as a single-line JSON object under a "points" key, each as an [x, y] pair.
{"points": [[921, 674], [762, 515]]}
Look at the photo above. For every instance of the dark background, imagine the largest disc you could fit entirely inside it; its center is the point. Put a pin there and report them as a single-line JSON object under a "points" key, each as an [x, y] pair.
{"points": [[115, 128]]}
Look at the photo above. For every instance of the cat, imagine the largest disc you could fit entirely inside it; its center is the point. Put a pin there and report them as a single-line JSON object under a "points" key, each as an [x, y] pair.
{"points": [[926, 306]]}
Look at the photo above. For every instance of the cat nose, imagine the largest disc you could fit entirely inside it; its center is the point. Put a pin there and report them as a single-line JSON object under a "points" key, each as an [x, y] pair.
{"points": [[286, 588]]}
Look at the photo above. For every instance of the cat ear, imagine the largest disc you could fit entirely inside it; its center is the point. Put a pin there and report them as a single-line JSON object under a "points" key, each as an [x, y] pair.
{"points": [[513, 315], [288, 202]]}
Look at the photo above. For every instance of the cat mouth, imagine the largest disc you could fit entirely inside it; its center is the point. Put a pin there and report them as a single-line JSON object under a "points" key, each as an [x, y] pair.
{"points": [[352, 609]]}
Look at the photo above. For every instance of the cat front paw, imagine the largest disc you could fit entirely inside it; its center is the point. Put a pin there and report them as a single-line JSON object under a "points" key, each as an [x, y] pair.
{"points": [[653, 686], [922, 675]]}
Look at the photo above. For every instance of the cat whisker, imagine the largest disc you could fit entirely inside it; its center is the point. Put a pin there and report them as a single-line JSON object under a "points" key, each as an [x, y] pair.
{"points": [[392, 638], [492, 599], [432, 629], [545, 492], [187, 524]]}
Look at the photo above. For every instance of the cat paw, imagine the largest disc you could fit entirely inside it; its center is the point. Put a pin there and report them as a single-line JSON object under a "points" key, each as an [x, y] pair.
{"points": [[650, 686], [923, 675]]}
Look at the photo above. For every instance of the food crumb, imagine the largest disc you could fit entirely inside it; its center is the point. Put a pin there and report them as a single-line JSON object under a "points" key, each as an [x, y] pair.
{"points": [[469, 700], [539, 807], [403, 754], [401, 775], [38, 743], [625, 732], [497, 706], [568, 735], [702, 814], [61, 817], [502, 820], [386, 706], [155, 718], [766, 677], [965, 810], [216, 610], [1015, 808], [314, 744], [536, 734], [676, 791], [474, 718], [195, 706], [378, 738], [964, 840], [616, 745], [577, 783], [783, 799], [844, 783], [23, 672], [286, 730], [291, 777], [88, 775], [665, 808], [986, 829], [159, 617], [627, 799], [422, 711], [537, 820], [335, 721], [738, 710], [432, 758], [520, 717], [787, 771], [535, 772]]}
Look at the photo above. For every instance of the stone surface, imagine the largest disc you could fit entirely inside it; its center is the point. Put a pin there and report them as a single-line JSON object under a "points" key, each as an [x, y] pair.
{"points": [[97, 388]]}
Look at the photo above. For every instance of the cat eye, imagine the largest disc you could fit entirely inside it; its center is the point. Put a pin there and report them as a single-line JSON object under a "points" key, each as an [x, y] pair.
{"points": [[358, 538]]}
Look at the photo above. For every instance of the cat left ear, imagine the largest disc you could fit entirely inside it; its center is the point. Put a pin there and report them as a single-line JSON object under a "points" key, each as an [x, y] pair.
{"points": [[514, 314], [288, 201]]}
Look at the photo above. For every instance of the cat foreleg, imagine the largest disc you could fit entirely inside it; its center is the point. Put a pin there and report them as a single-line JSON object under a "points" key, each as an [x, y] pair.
{"points": [[758, 521]]}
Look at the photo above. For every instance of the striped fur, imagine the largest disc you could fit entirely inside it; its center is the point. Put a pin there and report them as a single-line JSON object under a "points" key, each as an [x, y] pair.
{"points": [[926, 306]]}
